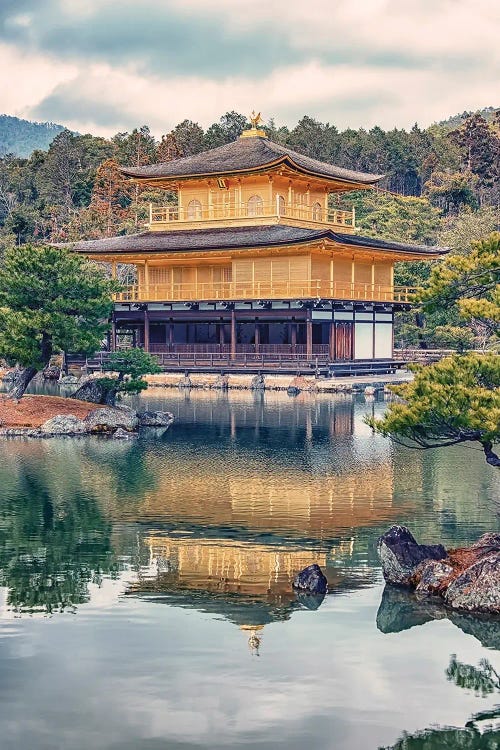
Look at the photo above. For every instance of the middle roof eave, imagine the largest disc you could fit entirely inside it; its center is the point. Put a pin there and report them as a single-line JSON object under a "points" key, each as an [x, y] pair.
{"points": [[233, 238]]}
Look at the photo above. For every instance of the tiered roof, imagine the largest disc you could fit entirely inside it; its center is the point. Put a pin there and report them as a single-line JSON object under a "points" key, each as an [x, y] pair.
{"points": [[257, 154], [232, 238]]}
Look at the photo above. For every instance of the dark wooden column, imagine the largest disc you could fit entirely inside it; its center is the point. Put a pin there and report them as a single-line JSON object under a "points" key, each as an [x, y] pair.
{"points": [[113, 334], [309, 334], [331, 342], [146, 330], [233, 333], [171, 335], [222, 338], [257, 337], [293, 336]]}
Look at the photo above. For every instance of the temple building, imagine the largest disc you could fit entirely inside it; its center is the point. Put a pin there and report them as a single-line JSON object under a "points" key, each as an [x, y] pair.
{"points": [[256, 257]]}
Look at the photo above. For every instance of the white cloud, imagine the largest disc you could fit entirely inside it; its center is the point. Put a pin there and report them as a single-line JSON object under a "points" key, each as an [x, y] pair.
{"points": [[368, 62], [27, 79], [343, 94]]}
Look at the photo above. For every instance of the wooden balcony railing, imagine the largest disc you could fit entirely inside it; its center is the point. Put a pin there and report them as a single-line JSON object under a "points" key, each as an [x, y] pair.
{"points": [[173, 214], [232, 290]]}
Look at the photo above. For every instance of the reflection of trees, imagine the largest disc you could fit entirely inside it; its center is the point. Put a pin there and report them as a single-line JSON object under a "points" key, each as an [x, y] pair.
{"points": [[469, 738], [483, 679], [399, 610], [50, 551]]}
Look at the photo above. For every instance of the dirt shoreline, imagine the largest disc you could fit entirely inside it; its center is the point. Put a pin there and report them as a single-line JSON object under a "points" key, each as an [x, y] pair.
{"points": [[32, 411]]}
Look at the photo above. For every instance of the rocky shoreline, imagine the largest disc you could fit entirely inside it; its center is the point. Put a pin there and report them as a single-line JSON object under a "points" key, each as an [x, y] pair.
{"points": [[119, 422], [465, 579]]}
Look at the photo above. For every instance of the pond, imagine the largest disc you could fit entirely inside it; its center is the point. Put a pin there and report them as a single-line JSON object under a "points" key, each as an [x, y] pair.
{"points": [[146, 598]]}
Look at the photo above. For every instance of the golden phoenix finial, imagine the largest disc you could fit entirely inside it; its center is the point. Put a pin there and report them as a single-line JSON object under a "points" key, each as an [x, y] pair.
{"points": [[256, 120]]}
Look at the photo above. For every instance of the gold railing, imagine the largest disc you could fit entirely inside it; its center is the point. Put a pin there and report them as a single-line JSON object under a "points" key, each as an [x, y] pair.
{"points": [[173, 214], [232, 290]]}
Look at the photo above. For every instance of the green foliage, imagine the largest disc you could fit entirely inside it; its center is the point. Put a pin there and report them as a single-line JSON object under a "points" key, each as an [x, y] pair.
{"points": [[470, 283], [396, 217], [453, 337], [129, 367], [458, 232], [452, 401], [451, 192], [50, 300]]}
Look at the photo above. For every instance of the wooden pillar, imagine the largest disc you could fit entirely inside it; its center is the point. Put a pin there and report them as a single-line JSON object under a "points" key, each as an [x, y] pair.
{"points": [[309, 337], [257, 337], [113, 334], [222, 337], [146, 330], [293, 336], [146, 278], [331, 342], [171, 335], [233, 333]]}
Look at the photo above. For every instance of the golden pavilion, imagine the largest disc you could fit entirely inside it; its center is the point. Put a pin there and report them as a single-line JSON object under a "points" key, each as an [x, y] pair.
{"points": [[253, 260]]}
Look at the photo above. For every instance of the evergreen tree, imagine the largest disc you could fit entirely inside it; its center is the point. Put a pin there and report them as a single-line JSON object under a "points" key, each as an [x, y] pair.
{"points": [[51, 300], [190, 137]]}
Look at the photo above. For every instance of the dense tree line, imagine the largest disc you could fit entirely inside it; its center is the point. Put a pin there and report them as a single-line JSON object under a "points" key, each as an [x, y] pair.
{"points": [[440, 185]]}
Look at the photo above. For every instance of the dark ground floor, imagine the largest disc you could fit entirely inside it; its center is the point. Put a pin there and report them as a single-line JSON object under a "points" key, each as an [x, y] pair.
{"points": [[335, 335]]}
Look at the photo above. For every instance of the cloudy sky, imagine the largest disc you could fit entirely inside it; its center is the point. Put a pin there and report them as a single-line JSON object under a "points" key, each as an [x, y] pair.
{"points": [[109, 65]]}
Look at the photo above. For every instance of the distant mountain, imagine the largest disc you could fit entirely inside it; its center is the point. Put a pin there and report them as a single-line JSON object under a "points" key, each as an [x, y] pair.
{"points": [[21, 137], [456, 120]]}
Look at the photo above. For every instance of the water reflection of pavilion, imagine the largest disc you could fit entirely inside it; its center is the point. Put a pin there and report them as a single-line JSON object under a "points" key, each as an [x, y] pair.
{"points": [[247, 583]]}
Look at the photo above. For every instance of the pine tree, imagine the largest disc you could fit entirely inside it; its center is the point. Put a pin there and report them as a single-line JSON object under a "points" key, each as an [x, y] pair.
{"points": [[51, 300]]}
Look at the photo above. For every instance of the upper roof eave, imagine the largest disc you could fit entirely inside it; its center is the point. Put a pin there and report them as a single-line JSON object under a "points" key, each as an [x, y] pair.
{"points": [[133, 173], [244, 156]]}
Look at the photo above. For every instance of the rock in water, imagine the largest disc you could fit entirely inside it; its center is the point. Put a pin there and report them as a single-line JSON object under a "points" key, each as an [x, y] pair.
{"points": [[432, 576], [63, 424], [400, 554], [155, 418], [477, 589], [121, 434], [311, 579], [109, 419]]}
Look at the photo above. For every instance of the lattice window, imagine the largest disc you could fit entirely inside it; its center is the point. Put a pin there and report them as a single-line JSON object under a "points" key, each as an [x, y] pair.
{"points": [[255, 205], [194, 210], [317, 211]]}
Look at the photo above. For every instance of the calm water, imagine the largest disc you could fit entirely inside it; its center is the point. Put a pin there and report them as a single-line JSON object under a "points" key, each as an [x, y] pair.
{"points": [[145, 596]]}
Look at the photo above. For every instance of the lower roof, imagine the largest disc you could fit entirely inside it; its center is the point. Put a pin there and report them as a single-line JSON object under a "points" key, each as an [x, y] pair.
{"points": [[233, 238]]}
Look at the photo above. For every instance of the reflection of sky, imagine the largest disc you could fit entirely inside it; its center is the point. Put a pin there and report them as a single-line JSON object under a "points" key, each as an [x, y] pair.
{"points": [[146, 675], [270, 479]]}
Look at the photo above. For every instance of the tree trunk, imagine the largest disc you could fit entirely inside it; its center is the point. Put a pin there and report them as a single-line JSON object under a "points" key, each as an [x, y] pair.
{"points": [[491, 457], [22, 382]]}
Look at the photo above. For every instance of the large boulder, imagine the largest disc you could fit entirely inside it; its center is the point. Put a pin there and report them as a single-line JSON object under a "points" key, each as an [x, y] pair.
{"points": [[108, 419], [155, 418], [64, 424], [94, 391], [477, 588], [431, 577], [311, 580], [400, 555]]}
